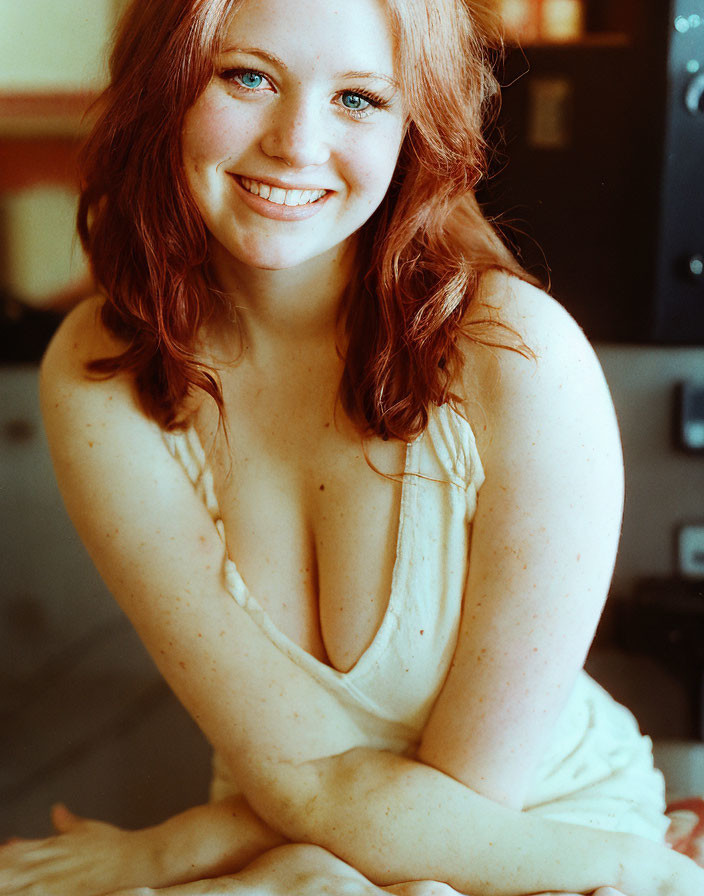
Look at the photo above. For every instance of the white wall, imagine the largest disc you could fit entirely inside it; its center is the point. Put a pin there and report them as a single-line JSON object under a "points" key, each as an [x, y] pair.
{"points": [[53, 44], [39, 249], [664, 486]]}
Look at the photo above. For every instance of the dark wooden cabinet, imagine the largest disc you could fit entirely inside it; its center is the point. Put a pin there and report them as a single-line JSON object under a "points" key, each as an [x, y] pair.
{"points": [[597, 182]]}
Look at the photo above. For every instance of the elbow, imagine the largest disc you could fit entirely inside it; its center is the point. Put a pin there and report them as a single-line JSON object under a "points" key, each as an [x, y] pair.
{"points": [[289, 797], [304, 801], [496, 789]]}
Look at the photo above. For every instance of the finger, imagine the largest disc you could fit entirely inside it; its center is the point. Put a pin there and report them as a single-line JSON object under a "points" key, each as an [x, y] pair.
{"points": [[140, 891], [221, 886], [421, 888], [607, 891], [63, 819]]}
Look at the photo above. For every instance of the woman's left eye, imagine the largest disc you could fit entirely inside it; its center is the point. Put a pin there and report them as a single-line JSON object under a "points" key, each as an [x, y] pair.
{"points": [[359, 105], [354, 102]]}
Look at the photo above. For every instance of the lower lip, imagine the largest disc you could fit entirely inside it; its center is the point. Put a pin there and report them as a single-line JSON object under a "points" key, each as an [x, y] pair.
{"points": [[280, 212]]}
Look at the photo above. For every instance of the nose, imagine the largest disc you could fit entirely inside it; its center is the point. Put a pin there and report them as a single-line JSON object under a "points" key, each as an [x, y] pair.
{"points": [[297, 134]]}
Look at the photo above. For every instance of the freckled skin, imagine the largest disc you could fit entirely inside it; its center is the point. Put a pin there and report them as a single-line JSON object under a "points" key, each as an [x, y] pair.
{"points": [[292, 130], [295, 130]]}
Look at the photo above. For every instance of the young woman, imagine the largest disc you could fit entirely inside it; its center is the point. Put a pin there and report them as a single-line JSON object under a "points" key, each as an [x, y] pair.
{"points": [[271, 431]]}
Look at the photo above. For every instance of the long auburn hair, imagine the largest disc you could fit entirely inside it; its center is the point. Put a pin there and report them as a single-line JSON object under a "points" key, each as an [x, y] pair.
{"points": [[420, 257]]}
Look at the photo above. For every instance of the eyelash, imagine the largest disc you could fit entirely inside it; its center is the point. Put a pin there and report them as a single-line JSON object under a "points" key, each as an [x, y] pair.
{"points": [[230, 76]]}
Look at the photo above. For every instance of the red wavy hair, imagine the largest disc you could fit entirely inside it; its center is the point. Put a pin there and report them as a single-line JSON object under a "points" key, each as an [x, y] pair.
{"points": [[424, 250]]}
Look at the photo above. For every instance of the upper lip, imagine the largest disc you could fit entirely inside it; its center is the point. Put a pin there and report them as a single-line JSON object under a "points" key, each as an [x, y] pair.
{"points": [[275, 182]]}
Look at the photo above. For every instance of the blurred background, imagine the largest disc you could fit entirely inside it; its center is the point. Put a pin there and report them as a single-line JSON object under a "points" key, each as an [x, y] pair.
{"points": [[596, 184]]}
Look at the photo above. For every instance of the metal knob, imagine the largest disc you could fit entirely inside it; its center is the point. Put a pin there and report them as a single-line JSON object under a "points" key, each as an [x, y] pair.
{"points": [[694, 95], [696, 268]]}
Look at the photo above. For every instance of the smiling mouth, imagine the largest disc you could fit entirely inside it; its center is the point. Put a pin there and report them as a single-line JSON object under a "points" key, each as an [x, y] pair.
{"points": [[281, 197]]}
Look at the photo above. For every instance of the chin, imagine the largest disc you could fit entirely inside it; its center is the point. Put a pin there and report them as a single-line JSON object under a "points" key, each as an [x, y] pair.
{"points": [[268, 261], [267, 256]]}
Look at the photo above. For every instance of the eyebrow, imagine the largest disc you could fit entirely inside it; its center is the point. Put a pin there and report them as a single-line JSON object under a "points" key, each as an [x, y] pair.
{"points": [[274, 60]]}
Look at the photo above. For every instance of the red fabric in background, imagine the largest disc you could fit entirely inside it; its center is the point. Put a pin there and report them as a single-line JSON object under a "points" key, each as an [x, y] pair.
{"points": [[686, 833], [29, 161], [39, 136]]}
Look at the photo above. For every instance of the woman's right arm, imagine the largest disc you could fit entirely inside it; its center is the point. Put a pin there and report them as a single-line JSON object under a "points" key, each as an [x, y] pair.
{"points": [[283, 736], [91, 858]]}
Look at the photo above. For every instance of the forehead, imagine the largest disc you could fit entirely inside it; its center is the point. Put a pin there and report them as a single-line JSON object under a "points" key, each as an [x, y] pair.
{"points": [[318, 34]]}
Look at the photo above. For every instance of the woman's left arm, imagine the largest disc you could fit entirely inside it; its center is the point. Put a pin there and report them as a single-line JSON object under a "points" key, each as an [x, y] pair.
{"points": [[543, 547]]}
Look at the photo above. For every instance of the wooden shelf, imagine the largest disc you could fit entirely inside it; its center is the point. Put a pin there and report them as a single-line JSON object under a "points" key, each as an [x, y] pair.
{"points": [[586, 41], [45, 114]]}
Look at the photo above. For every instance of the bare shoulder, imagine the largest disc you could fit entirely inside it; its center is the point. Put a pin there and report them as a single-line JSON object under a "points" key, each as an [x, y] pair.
{"points": [[123, 488], [553, 381], [65, 383], [92, 423], [101, 440], [82, 335], [535, 323]]}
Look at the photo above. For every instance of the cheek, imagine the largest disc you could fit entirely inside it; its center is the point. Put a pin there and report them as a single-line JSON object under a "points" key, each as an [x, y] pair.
{"points": [[212, 131], [373, 162]]}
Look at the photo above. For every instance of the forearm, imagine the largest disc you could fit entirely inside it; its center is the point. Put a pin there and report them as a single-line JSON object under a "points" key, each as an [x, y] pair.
{"points": [[206, 841], [395, 819]]}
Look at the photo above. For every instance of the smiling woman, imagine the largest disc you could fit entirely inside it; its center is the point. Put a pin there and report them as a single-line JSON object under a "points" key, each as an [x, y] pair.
{"points": [[355, 481], [294, 123]]}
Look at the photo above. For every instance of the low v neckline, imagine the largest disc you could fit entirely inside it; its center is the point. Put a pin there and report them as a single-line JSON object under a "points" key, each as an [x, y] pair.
{"points": [[244, 596]]}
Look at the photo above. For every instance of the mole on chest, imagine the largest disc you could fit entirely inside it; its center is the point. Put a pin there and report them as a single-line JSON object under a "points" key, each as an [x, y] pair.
{"points": [[312, 529], [320, 564]]}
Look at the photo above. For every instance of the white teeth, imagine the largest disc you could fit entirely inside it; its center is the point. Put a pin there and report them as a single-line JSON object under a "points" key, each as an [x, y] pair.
{"points": [[279, 196]]}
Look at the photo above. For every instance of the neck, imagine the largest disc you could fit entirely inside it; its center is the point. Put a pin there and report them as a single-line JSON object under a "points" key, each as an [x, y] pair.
{"points": [[284, 308]]}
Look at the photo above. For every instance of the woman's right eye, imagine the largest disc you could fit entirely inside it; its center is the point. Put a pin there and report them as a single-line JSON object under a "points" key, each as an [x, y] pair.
{"points": [[244, 78]]}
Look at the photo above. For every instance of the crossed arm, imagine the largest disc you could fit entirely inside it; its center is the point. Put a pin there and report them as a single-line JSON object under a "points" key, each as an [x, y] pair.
{"points": [[307, 774]]}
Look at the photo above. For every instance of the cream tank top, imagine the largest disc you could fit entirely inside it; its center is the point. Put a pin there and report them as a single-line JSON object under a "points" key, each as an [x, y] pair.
{"points": [[598, 770]]}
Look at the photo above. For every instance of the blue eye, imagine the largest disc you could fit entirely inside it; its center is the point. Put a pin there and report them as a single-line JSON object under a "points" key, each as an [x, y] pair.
{"points": [[355, 102], [251, 79]]}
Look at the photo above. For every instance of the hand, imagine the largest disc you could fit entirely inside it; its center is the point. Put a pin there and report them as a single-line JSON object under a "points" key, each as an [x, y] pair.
{"points": [[302, 870], [421, 888], [433, 888], [291, 870], [84, 858]]}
